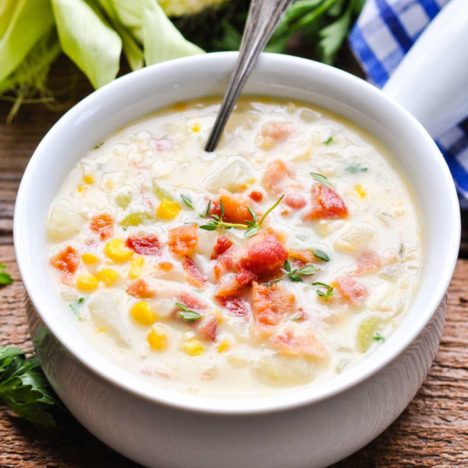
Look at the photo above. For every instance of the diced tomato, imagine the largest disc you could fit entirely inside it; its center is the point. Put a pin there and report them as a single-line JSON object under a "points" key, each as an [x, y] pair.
{"points": [[183, 240], [256, 196], [270, 303], [192, 302], [215, 209], [295, 201], [275, 174], [265, 255], [222, 245], [67, 260], [276, 131], [236, 207], [140, 288], [232, 284], [326, 204], [368, 262], [236, 305], [102, 224], [145, 245], [351, 290], [208, 327], [294, 341], [194, 275]]}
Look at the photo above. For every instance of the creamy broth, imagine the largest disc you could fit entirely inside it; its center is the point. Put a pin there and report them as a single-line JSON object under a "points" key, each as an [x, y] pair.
{"points": [[280, 260]]}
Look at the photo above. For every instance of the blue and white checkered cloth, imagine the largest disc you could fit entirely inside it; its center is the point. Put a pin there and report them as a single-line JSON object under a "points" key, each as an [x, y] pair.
{"points": [[384, 32]]}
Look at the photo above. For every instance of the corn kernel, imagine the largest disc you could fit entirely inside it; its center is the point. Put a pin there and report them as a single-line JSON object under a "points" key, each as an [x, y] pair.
{"points": [[224, 346], [89, 258], [196, 127], [168, 209], [116, 250], [141, 312], [193, 347], [219, 316], [87, 282], [80, 188], [88, 179], [157, 339], [101, 330], [360, 190], [136, 267], [109, 184], [108, 276]]}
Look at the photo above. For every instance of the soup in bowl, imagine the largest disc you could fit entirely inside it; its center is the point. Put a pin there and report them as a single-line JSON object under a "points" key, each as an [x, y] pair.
{"points": [[253, 305]]}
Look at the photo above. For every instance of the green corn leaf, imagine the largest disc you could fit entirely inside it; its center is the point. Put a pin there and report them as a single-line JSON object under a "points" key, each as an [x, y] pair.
{"points": [[88, 40], [23, 28]]}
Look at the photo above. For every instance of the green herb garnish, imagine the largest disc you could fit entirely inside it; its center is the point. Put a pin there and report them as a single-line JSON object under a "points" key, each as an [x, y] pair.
{"points": [[5, 278], [76, 305], [355, 168], [324, 290], [378, 338], [294, 274], [187, 314], [23, 387], [321, 255], [251, 227], [321, 179], [328, 141], [187, 201]]}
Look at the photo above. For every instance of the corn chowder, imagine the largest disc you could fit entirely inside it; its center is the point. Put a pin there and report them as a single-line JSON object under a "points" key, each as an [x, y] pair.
{"points": [[281, 259]]}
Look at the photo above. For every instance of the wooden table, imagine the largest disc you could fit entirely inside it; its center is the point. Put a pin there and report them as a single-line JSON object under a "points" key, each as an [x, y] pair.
{"points": [[432, 431]]}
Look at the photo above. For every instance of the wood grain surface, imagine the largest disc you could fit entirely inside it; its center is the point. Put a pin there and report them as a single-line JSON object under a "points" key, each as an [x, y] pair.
{"points": [[432, 431]]}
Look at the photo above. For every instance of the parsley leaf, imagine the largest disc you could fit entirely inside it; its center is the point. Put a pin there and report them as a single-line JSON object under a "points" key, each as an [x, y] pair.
{"points": [[187, 201], [379, 338], [187, 314], [328, 141], [23, 387], [5, 278], [355, 168]]}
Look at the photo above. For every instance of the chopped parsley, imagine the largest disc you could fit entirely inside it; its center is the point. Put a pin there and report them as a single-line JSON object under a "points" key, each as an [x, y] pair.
{"points": [[294, 274], [324, 290], [187, 201], [378, 338], [328, 141], [76, 306], [321, 179], [355, 168], [187, 314]]}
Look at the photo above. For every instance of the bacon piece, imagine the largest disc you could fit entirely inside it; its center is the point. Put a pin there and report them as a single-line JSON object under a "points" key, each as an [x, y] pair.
{"points": [[145, 245], [102, 224], [222, 245], [140, 288], [295, 201], [194, 276], [326, 204], [232, 284], [183, 240], [236, 207], [192, 302], [303, 255], [256, 196], [278, 179], [208, 327], [265, 255], [66, 261], [294, 341], [270, 303], [351, 290], [236, 305], [368, 262]]}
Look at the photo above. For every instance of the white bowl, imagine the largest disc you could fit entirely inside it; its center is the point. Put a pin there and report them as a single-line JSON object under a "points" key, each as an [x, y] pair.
{"points": [[315, 426]]}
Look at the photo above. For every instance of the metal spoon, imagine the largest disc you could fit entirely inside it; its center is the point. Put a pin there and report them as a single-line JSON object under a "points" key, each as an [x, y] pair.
{"points": [[263, 17]]}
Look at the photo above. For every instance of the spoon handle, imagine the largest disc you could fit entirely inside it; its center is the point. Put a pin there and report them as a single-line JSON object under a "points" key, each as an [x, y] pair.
{"points": [[262, 20]]}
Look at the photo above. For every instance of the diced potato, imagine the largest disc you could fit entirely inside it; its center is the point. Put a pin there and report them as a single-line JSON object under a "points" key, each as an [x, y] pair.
{"points": [[355, 236], [234, 176], [108, 310], [365, 332], [64, 221], [283, 370]]}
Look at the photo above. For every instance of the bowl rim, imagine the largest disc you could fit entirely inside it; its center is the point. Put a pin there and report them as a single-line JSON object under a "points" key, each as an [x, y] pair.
{"points": [[254, 405]]}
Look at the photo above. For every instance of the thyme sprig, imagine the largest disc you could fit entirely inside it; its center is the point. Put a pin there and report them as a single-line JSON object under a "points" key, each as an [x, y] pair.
{"points": [[294, 274]]}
